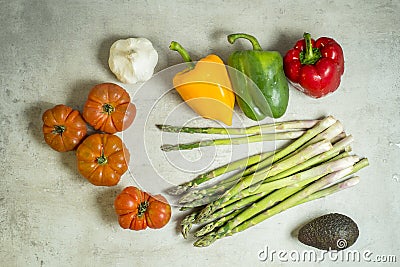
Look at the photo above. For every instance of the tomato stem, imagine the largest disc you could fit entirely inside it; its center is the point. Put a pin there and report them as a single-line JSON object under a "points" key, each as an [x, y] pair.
{"points": [[108, 108], [58, 129], [102, 160], [142, 208]]}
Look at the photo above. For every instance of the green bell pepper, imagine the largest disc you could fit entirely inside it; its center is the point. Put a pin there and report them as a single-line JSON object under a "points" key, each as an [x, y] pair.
{"points": [[263, 89]]}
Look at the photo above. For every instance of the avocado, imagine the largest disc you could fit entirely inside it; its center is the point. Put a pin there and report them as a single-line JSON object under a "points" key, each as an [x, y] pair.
{"points": [[332, 231]]}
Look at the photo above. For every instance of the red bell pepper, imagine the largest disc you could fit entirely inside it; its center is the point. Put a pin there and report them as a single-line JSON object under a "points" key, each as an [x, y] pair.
{"points": [[314, 67]]}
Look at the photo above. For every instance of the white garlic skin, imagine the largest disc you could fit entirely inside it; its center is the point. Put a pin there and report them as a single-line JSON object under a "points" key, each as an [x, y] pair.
{"points": [[133, 60]]}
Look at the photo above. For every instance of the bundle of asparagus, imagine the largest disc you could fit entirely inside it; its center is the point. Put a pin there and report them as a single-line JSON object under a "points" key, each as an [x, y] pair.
{"points": [[314, 165]]}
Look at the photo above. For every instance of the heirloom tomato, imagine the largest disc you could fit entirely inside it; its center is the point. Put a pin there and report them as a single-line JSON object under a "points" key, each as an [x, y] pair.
{"points": [[109, 108], [63, 128], [138, 210], [102, 159]]}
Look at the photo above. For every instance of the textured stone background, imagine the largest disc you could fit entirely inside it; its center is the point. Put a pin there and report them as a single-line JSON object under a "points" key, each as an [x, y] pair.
{"points": [[54, 51]]}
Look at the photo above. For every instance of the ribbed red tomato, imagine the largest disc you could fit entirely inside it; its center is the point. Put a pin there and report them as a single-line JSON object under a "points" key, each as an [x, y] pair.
{"points": [[63, 128], [138, 210], [109, 108], [102, 159]]}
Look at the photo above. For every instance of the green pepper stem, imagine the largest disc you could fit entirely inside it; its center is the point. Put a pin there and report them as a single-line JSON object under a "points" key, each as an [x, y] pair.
{"points": [[233, 37], [175, 46], [312, 54]]}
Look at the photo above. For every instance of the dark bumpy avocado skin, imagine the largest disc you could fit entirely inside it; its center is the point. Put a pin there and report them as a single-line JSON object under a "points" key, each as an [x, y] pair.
{"points": [[332, 231]]}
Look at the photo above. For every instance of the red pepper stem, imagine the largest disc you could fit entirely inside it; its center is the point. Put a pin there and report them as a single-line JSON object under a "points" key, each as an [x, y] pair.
{"points": [[307, 39], [175, 46], [233, 37], [312, 54]]}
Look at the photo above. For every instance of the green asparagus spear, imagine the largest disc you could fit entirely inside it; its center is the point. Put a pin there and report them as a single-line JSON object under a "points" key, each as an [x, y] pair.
{"points": [[187, 223], [204, 200], [236, 165], [257, 129], [220, 187], [195, 196], [238, 204], [338, 137], [330, 190], [235, 141], [329, 134], [322, 169], [217, 223], [339, 146]]}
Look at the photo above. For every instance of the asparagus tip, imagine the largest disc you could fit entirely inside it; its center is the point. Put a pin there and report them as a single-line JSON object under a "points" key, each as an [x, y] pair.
{"points": [[168, 128], [204, 230], [160, 126], [198, 234], [168, 147], [189, 197], [177, 190], [185, 230], [204, 241], [187, 224], [203, 214]]}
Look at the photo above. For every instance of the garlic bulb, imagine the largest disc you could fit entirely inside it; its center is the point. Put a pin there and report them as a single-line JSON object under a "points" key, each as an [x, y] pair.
{"points": [[133, 60]]}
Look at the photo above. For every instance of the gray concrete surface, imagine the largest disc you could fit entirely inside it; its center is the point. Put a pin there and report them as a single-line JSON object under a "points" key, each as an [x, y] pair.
{"points": [[54, 51]]}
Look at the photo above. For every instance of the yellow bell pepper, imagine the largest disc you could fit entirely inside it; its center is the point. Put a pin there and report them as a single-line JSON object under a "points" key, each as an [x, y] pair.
{"points": [[205, 86]]}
